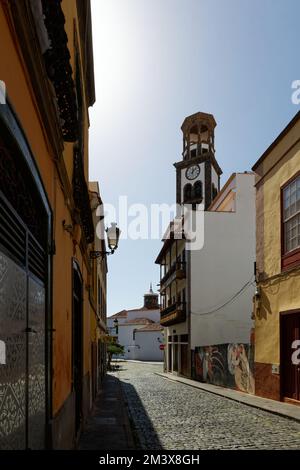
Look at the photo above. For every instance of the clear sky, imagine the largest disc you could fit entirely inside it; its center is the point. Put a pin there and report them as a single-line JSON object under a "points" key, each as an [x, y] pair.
{"points": [[158, 61]]}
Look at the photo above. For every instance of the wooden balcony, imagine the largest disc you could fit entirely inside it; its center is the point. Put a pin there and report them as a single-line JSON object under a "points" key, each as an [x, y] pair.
{"points": [[175, 313], [180, 270], [176, 271]]}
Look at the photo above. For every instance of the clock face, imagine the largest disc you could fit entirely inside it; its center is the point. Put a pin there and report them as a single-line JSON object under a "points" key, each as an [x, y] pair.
{"points": [[192, 172]]}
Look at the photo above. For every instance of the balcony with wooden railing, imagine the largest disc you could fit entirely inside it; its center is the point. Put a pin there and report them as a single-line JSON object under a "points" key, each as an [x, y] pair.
{"points": [[174, 313], [176, 271]]}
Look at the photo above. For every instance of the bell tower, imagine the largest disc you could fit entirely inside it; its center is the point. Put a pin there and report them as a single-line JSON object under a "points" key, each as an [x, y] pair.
{"points": [[151, 299], [198, 173]]}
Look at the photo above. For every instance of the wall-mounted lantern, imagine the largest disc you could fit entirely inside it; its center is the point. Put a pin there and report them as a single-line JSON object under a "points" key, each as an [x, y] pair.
{"points": [[113, 236]]}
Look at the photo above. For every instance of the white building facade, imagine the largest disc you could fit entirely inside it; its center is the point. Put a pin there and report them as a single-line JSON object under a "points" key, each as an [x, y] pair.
{"points": [[139, 330], [222, 286], [207, 293]]}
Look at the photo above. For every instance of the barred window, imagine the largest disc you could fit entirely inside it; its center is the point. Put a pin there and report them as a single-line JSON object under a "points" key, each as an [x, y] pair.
{"points": [[291, 215]]}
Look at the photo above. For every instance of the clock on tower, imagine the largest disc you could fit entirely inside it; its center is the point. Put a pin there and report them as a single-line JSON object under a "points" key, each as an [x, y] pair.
{"points": [[198, 173]]}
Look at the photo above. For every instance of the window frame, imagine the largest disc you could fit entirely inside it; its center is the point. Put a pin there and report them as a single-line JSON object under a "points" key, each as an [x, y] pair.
{"points": [[291, 259]]}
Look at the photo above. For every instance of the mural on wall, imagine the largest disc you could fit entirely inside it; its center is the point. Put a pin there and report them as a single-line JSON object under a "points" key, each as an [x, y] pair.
{"points": [[228, 365]]}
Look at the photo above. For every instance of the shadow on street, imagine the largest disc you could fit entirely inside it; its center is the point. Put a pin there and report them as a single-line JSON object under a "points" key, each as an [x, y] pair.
{"points": [[143, 431]]}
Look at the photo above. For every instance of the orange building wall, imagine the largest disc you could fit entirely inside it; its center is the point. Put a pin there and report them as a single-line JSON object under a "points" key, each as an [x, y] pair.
{"points": [[13, 73]]}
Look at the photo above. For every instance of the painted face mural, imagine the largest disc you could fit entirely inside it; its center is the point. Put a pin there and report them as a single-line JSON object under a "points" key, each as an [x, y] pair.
{"points": [[238, 366]]}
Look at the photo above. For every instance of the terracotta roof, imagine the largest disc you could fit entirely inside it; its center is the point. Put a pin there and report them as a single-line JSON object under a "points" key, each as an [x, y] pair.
{"points": [[138, 321], [136, 309], [143, 308], [121, 314], [151, 327]]}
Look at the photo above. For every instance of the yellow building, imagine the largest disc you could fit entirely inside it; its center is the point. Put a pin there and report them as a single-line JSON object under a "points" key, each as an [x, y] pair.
{"points": [[98, 292], [46, 228], [277, 300]]}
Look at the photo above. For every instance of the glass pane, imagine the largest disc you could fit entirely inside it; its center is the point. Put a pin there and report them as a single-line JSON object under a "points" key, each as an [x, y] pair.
{"points": [[292, 233], [291, 198], [286, 213], [293, 208]]}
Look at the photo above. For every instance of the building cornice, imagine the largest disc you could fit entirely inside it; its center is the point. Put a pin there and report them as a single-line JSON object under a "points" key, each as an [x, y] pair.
{"points": [[277, 140], [22, 26], [200, 159], [86, 42]]}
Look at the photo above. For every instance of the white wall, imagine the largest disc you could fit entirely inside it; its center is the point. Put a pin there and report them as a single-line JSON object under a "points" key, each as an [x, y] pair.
{"points": [[177, 329], [147, 350], [147, 313], [149, 346], [125, 338], [221, 268], [125, 331]]}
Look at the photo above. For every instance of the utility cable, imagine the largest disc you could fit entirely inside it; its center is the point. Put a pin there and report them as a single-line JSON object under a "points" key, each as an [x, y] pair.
{"points": [[235, 296]]}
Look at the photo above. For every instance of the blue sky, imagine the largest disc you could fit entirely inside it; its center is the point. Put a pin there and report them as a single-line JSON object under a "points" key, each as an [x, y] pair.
{"points": [[158, 61]]}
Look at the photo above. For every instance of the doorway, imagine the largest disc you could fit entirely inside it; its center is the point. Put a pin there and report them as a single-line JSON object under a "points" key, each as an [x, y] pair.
{"points": [[77, 345], [25, 234], [290, 370], [184, 359], [170, 357]]}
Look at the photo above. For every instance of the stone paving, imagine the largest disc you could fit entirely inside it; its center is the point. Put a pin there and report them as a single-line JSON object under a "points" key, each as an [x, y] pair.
{"points": [[174, 416]]}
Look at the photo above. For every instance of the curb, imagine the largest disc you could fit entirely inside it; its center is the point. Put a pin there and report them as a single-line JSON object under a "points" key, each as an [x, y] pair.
{"points": [[243, 399]]}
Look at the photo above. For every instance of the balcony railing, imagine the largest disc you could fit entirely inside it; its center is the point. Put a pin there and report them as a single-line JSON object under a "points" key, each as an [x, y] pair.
{"points": [[179, 268], [175, 313]]}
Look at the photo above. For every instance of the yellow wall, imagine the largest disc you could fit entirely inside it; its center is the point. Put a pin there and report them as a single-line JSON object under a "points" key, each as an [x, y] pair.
{"points": [[277, 296], [282, 292]]}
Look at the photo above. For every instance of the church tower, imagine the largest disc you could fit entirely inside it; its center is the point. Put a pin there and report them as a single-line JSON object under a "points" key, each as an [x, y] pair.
{"points": [[198, 173], [151, 299]]}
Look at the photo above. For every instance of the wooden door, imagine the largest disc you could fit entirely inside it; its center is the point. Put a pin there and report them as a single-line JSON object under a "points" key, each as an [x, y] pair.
{"points": [[184, 359], [290, 370], [77, 345], [94, 369], [170, 357]]}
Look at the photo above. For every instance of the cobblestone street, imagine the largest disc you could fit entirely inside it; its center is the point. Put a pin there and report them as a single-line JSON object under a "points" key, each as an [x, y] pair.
{"points": [[169, 415]]}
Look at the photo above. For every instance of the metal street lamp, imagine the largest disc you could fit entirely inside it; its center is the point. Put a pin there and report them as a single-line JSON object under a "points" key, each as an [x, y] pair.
{"points": [[116, 324], [113, 236]]}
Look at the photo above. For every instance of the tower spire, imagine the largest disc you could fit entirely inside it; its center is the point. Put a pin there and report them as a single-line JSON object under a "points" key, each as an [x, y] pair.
{"points": [[151, 299]]}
